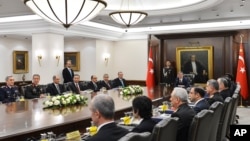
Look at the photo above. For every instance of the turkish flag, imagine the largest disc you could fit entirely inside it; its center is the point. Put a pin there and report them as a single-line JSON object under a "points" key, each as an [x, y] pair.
{"points": [[150, 82], [241, 76]]}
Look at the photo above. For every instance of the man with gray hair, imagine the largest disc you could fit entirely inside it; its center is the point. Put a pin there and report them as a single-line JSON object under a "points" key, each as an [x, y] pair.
{"points": [[103, 109], [179, 101], [9, 92], [213, 91]]}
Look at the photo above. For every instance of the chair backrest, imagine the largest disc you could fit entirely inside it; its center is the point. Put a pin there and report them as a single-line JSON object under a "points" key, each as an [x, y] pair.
{"points": [[145, 136], [232, 114], [217, 108], [23, 89], [200, 127], [222, 129], [166, 129]]}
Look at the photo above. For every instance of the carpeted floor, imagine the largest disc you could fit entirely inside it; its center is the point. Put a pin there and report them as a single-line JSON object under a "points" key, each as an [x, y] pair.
{"points": [[244, 114]]}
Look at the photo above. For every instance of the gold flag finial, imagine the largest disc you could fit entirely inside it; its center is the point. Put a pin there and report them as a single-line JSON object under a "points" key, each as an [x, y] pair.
{"points": [[241, 37]]}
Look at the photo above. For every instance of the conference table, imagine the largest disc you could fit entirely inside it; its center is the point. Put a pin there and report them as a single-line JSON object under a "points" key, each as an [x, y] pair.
{"points": [[24, 119]]}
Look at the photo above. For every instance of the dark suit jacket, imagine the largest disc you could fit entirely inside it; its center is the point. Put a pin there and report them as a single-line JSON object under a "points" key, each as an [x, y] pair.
{"points": [[185, 115], [201, 105], [225, 93], [66, 75], [33, 91], [117, 82], [102, 84], [184, 82], [146, 125], [199, 78], [216, 97], [51, 88], [72, 87], [92, 86], [109, 132]]}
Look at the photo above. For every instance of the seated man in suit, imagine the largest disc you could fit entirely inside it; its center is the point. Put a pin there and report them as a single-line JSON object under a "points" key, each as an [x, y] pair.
{"points": [[75, 86], [55, 88], [35, 90], [213, 92], [93, 84], [179, 101], [105, 83], [9, 92], [196, 95], [119, 81], [223, 87], [181, 81], [102, 108], [142, 110]]}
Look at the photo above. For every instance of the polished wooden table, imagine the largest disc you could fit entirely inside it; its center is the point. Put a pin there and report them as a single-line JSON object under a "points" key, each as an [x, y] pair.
{"points": [[23, 119]]}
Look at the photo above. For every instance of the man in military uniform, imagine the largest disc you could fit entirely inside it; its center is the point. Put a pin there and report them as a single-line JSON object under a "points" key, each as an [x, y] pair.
{"points": [[35, 90], [9, 93]]}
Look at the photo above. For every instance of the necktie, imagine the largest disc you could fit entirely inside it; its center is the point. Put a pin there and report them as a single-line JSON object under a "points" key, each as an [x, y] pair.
{"points": [[70, 72], [107, 84], [78, 88], [122, 82], [58, 89], [95, 85]]}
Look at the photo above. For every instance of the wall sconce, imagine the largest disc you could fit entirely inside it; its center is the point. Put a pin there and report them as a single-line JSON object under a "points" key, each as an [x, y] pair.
{"points": [[39, 57], [106, 58], [58, 59]]}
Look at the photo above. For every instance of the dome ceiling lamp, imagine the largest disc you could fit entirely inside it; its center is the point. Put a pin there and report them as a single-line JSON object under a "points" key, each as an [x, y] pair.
{"points": [[66, 12], [128, 17]]}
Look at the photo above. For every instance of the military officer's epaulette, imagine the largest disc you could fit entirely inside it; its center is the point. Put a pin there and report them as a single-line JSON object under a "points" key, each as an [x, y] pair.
{"points": [[4, 87]]}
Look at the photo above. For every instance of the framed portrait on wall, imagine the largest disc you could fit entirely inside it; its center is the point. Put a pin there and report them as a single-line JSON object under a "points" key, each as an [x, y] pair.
{"points": [[197, 61], [20, 62], [74, 57]]}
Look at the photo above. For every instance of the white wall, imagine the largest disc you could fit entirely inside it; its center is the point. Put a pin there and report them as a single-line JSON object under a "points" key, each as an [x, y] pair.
{"points": [[48, 45], [87, 49], [104, 48], [7, 46], [130, 57]]}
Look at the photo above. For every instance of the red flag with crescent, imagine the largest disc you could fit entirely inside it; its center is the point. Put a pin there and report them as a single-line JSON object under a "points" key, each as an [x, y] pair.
{"points": [[150, 82], [241, 76]]}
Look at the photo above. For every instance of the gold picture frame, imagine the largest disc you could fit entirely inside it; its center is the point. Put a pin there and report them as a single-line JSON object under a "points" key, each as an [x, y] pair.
{"points": [[203, 54], [74, 57], [20, 62]]}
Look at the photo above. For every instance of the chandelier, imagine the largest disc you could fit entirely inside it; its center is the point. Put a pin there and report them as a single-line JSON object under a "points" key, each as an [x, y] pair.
{"points": [[66, 12], [128, 17]]}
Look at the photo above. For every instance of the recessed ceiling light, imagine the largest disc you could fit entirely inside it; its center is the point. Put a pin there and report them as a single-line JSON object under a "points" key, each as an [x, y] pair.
{"points": [[241, 5], [242, 0]]}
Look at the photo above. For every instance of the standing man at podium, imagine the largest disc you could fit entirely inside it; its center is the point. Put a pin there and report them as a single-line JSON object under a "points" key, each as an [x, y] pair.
{"points": [[67, 72]]}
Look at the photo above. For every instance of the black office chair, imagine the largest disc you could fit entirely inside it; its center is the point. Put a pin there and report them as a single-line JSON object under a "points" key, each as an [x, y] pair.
{"points": [[232, 114], [201, 126], [222, 129], [217, 108], [166, 129], [132, 136]]}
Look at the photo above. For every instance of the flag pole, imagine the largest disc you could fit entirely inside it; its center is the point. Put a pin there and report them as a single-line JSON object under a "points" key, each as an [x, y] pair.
{"points": [[241, 105]]}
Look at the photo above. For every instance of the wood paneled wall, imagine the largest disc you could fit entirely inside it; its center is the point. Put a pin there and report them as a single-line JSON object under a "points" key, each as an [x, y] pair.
{"points": [[225, 55]]}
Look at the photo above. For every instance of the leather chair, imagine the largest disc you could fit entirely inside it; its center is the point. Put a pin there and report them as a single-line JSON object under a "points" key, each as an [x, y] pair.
{"points": [[23, 89], [217, 108], [232, 114], [166, 129], [222, 129], [200, 127], [145, 136]]}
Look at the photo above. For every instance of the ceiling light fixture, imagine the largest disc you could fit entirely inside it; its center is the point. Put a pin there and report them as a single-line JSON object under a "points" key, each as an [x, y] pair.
{"points": [[126, 16], [66, 12]]}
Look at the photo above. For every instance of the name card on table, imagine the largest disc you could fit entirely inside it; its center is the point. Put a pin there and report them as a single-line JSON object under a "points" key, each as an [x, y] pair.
{"points": [[75, 135]]}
